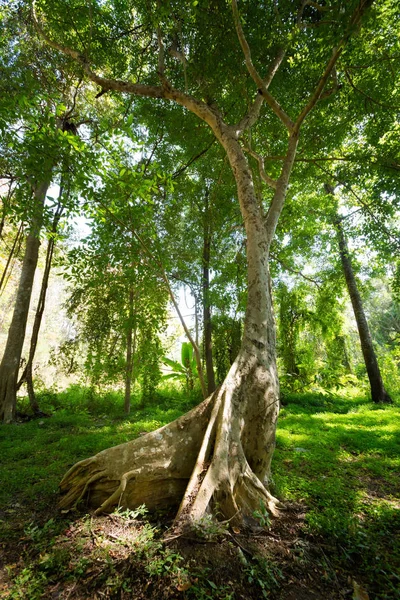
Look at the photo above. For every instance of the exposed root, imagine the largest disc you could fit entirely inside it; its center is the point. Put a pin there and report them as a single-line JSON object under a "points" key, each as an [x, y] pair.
{"points": [[199, 468], [152, 470], [78, 479], [204, 461], [91, 480], [117, 495]]}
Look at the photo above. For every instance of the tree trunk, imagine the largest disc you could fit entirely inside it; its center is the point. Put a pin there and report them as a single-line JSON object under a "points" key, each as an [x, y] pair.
{"points": [[378, 392], [12, 354], [206, 298], [27, 375], [13, 251], [220, 453], [6, 203], [130, 349]]}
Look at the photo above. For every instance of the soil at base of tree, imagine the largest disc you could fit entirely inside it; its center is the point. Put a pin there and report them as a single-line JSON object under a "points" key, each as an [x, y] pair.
{"points": [[114, 556]]}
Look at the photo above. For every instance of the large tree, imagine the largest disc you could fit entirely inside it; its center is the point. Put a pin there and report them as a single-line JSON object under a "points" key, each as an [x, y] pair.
{"points": [[189, 54]]}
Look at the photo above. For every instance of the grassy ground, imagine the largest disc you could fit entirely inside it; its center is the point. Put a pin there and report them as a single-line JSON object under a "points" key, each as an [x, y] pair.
{"points": [[337, 467]]}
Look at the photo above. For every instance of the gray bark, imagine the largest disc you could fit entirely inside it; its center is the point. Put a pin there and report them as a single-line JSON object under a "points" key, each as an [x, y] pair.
{"points": [[378, 392]]}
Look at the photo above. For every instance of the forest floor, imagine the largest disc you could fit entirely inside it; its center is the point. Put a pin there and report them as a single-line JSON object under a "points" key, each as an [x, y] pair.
{"points": [[336, 467]]}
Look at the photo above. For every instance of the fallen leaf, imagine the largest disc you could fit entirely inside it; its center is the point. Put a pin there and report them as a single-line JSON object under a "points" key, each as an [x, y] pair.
{"points": [[359, 593], [182, 587]]}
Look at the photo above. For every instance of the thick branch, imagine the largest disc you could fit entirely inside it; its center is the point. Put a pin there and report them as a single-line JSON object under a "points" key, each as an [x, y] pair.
{"points": [[201, 109], [278, 200]]}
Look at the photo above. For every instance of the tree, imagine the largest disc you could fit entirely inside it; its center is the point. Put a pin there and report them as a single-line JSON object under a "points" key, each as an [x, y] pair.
{"points": [[27, 374], [219, 453], [378, 392]]}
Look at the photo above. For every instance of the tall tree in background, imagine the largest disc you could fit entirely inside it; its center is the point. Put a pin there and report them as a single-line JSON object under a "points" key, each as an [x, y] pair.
{"points": [[221, 451], [378, 391], [27, 374]]}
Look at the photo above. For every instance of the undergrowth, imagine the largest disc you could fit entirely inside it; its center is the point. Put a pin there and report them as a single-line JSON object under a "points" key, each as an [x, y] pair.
{"points": [[337, 459]]}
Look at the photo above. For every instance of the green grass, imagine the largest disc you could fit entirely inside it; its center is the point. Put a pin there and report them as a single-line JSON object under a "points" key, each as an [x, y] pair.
{"points": [[341, 457], [338, 456], [36, 454]]}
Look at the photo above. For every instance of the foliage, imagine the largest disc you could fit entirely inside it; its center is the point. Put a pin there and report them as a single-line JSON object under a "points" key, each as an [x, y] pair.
{"points": [[116, 288], [312, 343], [227, 334], [186, 370]]}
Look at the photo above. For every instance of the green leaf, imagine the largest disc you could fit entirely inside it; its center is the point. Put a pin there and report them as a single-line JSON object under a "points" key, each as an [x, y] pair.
{"points": [[186, 354], [173, 364]]}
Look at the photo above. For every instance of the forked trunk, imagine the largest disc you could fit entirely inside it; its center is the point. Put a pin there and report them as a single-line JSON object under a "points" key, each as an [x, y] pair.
{"points": [[12, 354], [378, 392]]}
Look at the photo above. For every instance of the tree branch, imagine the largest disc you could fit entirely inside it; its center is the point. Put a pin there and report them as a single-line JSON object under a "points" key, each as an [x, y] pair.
{"points": [[264, 176], [336, 53], [372, 100], [295, 271], [263, 89], [183, 168], [253, 113], [365, 206], [275, 209], [210, 115]]}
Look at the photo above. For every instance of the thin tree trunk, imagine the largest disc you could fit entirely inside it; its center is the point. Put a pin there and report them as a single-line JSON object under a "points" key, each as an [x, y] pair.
{"points": [[378, 392], [6, 203], [129, 355], [27, 375], [12, 355], [196, 320], [206, 298], [10, 255]]}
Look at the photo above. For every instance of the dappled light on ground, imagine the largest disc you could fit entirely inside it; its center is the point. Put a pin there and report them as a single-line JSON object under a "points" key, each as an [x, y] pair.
{"points": [[336, 466]]}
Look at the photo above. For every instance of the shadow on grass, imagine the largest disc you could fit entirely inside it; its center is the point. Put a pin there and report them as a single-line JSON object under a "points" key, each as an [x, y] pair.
{"points": [[338, 456], [341, 458]]}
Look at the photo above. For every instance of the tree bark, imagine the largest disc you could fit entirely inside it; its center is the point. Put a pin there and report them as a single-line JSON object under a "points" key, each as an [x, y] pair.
{"points": [[378, 392], [13, 251], [12, 354], [27, 375], [206, 298], [219, 453]]}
